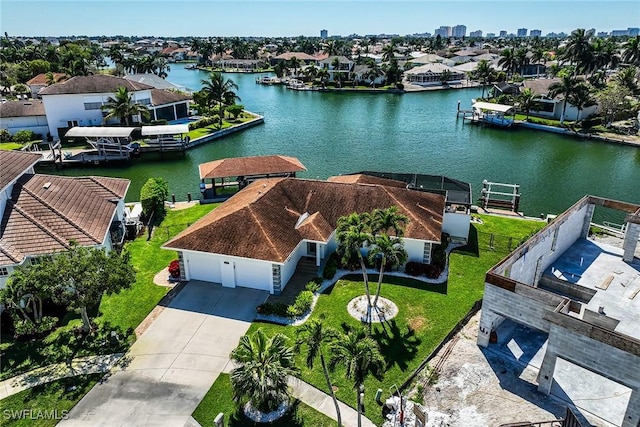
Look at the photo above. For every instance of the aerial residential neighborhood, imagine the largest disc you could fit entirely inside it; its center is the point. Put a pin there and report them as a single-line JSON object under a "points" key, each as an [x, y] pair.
{"points": [[318, 215]]}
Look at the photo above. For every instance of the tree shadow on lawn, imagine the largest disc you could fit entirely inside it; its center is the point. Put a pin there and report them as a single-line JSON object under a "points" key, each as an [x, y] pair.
{"points": [[406, 282], [398, 346], [291, 419]]}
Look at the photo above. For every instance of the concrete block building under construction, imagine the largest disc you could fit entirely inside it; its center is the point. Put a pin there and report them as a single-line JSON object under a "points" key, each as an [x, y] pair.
{"points": [[582, 296]]}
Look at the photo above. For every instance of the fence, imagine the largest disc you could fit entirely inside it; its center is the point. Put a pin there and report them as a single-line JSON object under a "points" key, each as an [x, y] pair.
{"points": [[497, 242]]}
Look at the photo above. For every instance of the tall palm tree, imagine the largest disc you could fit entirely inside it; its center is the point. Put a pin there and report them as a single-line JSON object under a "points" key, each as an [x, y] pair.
{"points": [[263, 365], [508, 61], [527, 100], [565, 87], [122, 107], [631, 51], [628, 78], [311, 72], [391, 253], [581, 99], [537, 56], [323, 75], [388, 52], [373, 73], [217, 89], [352, 232], [521, 59], [483, 71], [577, 47], [315, 335], [295, 64], [360, 354], [388, 220]]}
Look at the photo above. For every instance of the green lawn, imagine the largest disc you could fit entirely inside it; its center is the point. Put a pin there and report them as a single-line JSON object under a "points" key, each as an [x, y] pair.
{"points": [[10, 146], [544, 121], [226, 123], [426, 312], [219, 399], [47, 404], [121, 312]]}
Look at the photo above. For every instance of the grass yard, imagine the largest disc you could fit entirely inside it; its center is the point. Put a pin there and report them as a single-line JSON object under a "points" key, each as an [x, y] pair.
{"points": [[226, 123], [219, 399], [121, 312], [426, 313], [8, 146], [46, 404]]}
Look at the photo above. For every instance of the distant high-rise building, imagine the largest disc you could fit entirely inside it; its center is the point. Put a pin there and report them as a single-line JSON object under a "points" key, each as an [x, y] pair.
{"points": [[459, 31], [603, 34], [503, 33], [476, 34], [444, 31], [619, 33], [324, 34], [535, 33], [522, 32], [633, 31], [491, 35]]}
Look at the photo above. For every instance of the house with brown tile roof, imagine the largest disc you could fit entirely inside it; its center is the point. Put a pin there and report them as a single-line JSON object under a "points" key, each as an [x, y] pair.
{"points": [[553, 107], [256, 238], [79, 100], [23, 115], [42, 214], [39, 82]]}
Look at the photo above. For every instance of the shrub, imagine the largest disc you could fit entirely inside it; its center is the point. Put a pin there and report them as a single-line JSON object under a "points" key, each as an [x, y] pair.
{"points": [[330, 267], [174, 268], [400, 86], [152, 196], [23, 136], [301, 305], [24, 328], [235, 110], [5, 136], [312, 286], [432, 271], [277, 309], [414, 268]]}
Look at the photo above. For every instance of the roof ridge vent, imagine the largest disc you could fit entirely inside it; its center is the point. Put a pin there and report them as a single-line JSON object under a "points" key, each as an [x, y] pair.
{"points": [[301, 219]]}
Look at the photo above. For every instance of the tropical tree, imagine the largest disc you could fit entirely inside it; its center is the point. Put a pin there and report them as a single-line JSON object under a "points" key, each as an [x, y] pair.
{"points": [[122, 107], [578, 48], [527, 100], [323, 75], [295, 64], [566, 86], [613, 101], [484, 71], [219, 90], [631, 51], [315, 335], [390, 253], [263, 365], [445, 76], [86, 274], [508, 61], [360, 354], [311, 72], [373, 73], [628, 77], [388, 52], [537, 56], [581, 99], [25, 293], [352, 232]]}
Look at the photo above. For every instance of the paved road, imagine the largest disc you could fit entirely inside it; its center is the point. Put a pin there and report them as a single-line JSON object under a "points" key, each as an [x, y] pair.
{"points": [[175, 361]]}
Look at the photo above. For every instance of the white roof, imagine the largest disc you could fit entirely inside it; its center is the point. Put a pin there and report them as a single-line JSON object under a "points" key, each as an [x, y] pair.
{"points": [[432, 68], [165, 129], [97, 131], [492, 107]]}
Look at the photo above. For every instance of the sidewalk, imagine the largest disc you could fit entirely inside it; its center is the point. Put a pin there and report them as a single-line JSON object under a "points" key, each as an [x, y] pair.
{"points": [[47, 374], [322, 402]]}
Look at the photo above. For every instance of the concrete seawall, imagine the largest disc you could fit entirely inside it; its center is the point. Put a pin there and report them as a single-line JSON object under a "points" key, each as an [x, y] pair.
{"points": [[224, 132], [568, 132]]}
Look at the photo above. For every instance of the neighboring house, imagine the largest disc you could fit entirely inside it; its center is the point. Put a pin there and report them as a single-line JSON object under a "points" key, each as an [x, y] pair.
{"points": [[79, 100], [433, 75], [576, 302], [19, 115], [552, 107], [256, 238], [429, 58], [344, 69], [153, 80], [41, 214], [361, 74], [40, 82], [303, 57]]}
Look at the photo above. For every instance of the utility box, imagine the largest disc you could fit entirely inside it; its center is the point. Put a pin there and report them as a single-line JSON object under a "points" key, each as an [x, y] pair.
{"points": [[219, 420]]}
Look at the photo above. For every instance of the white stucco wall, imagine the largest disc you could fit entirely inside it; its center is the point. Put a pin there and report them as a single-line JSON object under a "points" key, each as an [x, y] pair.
{"points": [[456, 224], [3, 279], [36, 124], [414, 248], [289, 266], [62, 108]]}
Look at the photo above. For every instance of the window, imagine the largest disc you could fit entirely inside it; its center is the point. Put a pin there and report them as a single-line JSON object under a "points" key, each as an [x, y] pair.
{"points": [[145, 101], [40, 259], [4, 271], [72, 123], [92, 105]]}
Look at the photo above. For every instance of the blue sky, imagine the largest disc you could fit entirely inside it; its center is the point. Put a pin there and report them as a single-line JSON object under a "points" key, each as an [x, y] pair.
{"points": [[306, 17]]}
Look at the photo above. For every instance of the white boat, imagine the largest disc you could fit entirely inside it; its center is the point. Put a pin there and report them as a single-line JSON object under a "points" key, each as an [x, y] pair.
{"points": [[492, 114], [268, 80], [297, 85]]}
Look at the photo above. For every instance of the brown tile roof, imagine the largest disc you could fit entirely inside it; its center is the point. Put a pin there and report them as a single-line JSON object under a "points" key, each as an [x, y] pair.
{"points": [[367, 179], [99, 83], [15, 163], [45, 212], [22, 108], [540, 86], [302, 56], [260, 221], [41, 79], [162, 97], [248, 166]]}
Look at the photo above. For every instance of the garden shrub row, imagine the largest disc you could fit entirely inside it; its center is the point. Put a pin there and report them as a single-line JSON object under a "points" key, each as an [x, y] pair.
{"points": [[204, 122], [414, 268], [301, 305]]}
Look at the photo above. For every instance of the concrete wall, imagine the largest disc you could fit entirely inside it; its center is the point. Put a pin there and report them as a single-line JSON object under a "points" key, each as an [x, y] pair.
{"points": [[456, 224], [569, 229], [3, 279], [289, 265], [414, 248], [36, 124]]}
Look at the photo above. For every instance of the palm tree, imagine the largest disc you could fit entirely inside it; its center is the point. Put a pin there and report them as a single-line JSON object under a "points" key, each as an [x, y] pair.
{"points": [[122, 106], [537, 56], [311, 72], [577, 47], [390, 252], [360, 355], [314, 335], [483, 71], [581, 99], [389, 220], [263, 365], [295, 64], [628, 78], [527, 100], [373, 73], [565, 87], [631, 51], [388, 52], [522, 59], [323, 75], [508, 60], [218, 90], [352, 232]]}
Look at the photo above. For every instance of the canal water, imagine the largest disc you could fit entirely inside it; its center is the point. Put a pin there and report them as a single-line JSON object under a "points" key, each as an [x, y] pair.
{"points": [[334, 133]]}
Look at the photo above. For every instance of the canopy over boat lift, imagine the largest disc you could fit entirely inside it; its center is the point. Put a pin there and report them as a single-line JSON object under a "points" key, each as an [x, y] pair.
{"points": [[167, 137], [493, 114], [108, 141]]}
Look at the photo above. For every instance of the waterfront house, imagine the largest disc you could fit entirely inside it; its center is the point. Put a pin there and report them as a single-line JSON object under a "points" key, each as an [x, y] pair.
{"points": [[42, 214], [552, 107], [433, 75], [79, 100], [303, 57], [40, 82], [344, 68], [27, 115], [257, 237]]}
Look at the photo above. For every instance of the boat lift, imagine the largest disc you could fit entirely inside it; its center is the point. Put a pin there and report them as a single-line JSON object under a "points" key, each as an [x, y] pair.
{"points": [[500, 197]]}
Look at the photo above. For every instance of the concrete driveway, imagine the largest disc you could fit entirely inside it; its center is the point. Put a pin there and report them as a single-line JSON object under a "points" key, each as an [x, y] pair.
{"points": [[175, 361]]}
